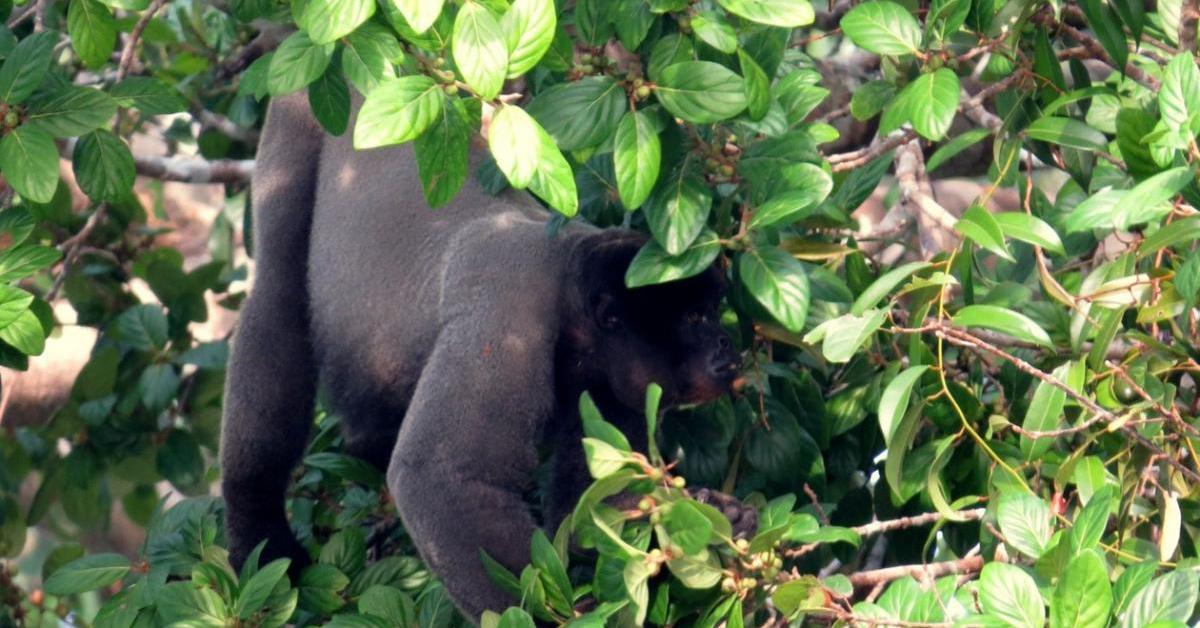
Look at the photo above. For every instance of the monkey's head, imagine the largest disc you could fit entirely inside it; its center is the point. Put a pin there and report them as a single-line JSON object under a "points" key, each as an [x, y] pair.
{"points": [[667, 333]]}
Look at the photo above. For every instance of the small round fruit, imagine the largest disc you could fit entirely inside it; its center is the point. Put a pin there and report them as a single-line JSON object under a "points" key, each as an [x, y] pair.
{"points": [[11, 119], [727, 170], [678, 482], [728, 585], [742, 545], [749, 583], [645, 505]]}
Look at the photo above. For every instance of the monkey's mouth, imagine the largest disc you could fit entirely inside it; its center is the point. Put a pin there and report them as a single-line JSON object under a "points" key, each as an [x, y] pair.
{"points": [[710, 387]]}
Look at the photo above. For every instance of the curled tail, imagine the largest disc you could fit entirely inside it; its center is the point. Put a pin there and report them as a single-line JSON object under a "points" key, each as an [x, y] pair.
{"points": [[271, 379]]}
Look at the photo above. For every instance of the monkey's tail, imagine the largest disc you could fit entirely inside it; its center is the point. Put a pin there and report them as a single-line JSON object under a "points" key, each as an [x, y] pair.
{"points": [[271, 377]]}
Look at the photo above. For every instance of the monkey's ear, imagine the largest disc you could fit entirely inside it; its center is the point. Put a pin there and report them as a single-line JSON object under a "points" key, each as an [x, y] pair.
{"points": [[606, 311]]}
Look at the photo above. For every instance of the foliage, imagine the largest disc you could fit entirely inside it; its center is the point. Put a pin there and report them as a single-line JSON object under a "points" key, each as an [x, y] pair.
{"points": [[1007, 396]]}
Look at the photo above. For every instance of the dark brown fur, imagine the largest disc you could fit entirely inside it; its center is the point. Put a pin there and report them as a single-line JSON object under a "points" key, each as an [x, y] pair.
{"points": [[452, 342]]}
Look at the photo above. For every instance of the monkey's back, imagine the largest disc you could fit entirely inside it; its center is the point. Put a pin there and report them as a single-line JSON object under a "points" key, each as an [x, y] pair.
{"points": [[386, 271]]}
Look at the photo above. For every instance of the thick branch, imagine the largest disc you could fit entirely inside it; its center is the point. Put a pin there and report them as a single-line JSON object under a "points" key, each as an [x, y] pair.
{"points": [[935, 224], [195, 169], [923, 573]]}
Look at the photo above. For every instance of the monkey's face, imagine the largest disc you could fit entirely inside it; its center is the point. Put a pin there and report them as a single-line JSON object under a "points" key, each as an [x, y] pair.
{"points": [[669, 334]]}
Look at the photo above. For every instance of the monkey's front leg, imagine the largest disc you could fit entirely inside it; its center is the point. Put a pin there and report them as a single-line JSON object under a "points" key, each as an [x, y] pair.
{"points": [[467, 448]]}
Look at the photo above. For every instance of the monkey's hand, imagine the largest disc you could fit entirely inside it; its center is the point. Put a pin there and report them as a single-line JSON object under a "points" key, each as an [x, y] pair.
{"points": [[743, 518]]}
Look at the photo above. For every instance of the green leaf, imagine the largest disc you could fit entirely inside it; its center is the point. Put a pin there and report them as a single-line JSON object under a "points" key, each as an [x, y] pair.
{"points": [[70, 111], [397, 111], [602, 458], [882, 27], [1067, 132], [1148, 200], [297, 62], [810, 186], [420, 14], [1083, 596], [1004, 321], [442, 153], [653, 265], [364, 60], [785, 13], [329, 100], [389, 603], [515, 617], [758, 86], [952, 148], [255, 592], [1025, 521], [26, 67], [871, 98], [901, 440], [326, 21], [143, 327], [1169, 597], [93, 31], [13, 302], [480, 50], [29, 161], [713, 30], [21, 261], [104, 166], [637, 157], [687, 527], [158, 385], [978, 224], [580, 114], [1044, 414], [87, 574], [1088, 527], [25, 333], [554, 181], [778, 282], [1106, 25], [511, 135], [841, 337], [668, 51], [636, 575], [594, 426], [1177, 232], [930, 102], [1009, 593], [701, 91], [1179, 97], [148, 95], [185, 602], [883, 286], [677, 211], [528, 27], [1027, 228], [893, 403]]}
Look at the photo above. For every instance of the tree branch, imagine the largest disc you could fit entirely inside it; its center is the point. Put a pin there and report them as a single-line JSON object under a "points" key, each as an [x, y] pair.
{"points": [[195, 169], [880, 527], [850, 160], [136, 34], [923, 573], [935, 225]]}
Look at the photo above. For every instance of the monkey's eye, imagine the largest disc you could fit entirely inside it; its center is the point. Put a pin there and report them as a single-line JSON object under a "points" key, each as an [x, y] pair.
{"points": [[694, 317], [612, 322]]}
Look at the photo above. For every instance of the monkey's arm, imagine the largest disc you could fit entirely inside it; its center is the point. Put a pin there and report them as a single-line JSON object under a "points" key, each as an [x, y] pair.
{"points": [[271, 377], [467, 448]]}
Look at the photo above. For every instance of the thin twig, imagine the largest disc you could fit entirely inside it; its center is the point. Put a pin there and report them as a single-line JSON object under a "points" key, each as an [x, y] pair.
{"points": [[134, 35], [72, 247], [880, 527], [195, 169]]}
